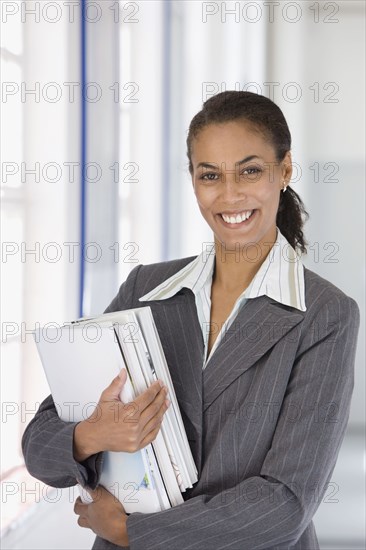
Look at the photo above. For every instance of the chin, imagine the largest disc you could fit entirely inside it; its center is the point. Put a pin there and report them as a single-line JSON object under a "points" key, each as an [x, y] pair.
{"points": [[252, 238]]}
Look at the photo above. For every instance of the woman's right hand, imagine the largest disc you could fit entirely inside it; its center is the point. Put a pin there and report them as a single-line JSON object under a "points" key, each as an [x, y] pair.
{"points": [[118, 426]]}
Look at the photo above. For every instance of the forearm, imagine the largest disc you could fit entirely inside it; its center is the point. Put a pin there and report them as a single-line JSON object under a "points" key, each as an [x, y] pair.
{"points": [[256, 514], [48, 448]]}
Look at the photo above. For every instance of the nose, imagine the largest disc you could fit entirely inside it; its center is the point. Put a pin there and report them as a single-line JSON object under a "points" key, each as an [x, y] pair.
{"points": [[231, 186]]}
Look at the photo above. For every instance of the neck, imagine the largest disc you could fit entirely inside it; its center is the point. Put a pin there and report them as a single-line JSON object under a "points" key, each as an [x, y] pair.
{"points": [[235, 268]]}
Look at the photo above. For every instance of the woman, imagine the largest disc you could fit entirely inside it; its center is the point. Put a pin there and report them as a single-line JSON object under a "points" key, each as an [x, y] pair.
{"points": [[261, 352]]}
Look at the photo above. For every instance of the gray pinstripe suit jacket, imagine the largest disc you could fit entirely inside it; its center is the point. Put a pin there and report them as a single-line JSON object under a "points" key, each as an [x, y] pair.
{"points": [[265, 419]]}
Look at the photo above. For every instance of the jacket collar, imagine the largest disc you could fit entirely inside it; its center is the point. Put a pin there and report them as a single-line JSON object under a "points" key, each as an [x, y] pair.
{"points": [[280, 277]]}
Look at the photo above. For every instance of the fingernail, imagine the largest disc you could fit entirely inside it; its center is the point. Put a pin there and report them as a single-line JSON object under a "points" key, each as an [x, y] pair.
{"points": [[167, 402], [161, 383]]}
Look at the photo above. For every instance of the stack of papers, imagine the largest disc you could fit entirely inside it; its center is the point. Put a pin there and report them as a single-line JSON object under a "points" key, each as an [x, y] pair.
{"points": [[80, 360]]}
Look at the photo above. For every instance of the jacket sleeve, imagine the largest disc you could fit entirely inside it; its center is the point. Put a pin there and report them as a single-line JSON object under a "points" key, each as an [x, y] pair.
{"points": [[47, 442], [275, 507]]}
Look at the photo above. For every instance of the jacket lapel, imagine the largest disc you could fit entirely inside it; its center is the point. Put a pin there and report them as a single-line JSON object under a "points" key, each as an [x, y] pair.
{"points": [[259, 325]]}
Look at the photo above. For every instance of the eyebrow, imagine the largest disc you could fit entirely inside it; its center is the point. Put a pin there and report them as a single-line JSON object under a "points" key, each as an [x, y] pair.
{"points": [[214, 166]]}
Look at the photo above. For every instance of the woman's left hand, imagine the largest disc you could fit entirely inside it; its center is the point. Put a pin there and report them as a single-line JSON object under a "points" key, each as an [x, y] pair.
{"points": [[105, 516]]}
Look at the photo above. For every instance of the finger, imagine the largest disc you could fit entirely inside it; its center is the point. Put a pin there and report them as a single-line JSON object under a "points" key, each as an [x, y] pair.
{"points": [[153, 426], [156, 408], [150, 437], [111, 392], [148, 396], [154, 395], [83, 522], [79, 506], [97, 493]]}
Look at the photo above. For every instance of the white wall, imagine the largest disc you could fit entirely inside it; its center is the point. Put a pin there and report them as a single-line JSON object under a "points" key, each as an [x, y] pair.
{"points": [[323, 131]]}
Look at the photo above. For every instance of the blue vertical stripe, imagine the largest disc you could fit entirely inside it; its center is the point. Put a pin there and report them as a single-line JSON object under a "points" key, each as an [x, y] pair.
{"points": [[83, 159], [166, 137]]}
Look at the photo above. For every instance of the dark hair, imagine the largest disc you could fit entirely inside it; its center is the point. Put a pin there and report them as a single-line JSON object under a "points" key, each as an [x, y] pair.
{"points": [[266, 117]]}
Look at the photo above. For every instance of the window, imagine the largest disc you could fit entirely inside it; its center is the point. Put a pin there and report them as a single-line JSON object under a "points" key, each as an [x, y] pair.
{"points": [[184, 59], [38, 216]]}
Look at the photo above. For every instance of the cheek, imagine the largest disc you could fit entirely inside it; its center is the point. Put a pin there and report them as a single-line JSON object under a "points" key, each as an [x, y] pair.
{"points": [[268, 193], [205, 198], [204, 209]]}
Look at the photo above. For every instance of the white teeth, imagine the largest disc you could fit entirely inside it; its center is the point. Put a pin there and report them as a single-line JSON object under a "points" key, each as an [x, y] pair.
{"points": [[238, 218]]}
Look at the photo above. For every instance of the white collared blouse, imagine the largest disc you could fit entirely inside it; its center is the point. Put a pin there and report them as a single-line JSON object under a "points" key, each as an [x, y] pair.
{"points": [[280, 277]]}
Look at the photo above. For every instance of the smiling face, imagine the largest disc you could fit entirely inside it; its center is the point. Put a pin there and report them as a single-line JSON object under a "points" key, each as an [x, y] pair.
{"points": [[237, 182]]}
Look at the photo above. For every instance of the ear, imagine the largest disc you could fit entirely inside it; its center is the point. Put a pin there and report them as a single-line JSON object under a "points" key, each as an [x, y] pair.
{"points": [[286, 166]]}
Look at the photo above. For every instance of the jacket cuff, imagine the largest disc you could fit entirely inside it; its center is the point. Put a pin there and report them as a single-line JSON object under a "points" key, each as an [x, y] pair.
{"points": [[88, 472]]}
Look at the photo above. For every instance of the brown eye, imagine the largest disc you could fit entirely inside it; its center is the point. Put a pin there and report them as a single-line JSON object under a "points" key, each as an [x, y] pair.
{"points": [[253, 173], [209, 177]]}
